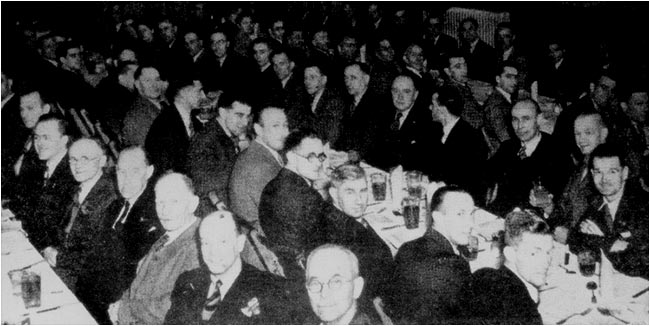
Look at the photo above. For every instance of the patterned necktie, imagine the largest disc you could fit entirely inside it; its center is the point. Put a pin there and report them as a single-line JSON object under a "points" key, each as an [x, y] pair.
{"points": [[74, 212], [122, 218], [160, 243], [395, 125], [235, 140], [522, 152], [607, 215], [212, 302]]}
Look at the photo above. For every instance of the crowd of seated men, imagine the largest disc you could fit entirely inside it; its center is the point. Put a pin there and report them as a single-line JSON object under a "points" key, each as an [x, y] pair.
{"points": [[185, 180]]}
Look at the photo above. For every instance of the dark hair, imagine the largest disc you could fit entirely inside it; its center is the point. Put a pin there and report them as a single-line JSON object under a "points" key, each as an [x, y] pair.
{"points": [[450, 55], [244, 13], [257, 116], [450, 97], [607, 150], [592, 112], [62, 49], [262, 40], [504, 25], [439, 196], [63, 125], [286, 51], [519, 222], [227, 99], [296, 137], [502, 67], [322, 66]]}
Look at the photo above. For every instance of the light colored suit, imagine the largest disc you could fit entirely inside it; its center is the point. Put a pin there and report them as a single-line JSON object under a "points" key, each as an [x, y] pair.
{"points": [[149, 297]]}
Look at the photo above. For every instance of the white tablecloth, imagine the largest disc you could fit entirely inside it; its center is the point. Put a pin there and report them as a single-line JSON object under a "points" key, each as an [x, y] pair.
{"points": [[59, 306]]}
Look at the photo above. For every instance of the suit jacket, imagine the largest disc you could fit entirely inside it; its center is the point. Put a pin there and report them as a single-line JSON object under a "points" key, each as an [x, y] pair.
{"points": [[232, 76], [429, 282], [210, 159], [515, 176], [44, 208], [191, 291], [149, 297], [463, 157], [252, 171], [412, 146], [472, 111], [498, 296], [76, 246], [573, 203], [437, 52], [293, 94], [481, 63], [137, 121], [326, 121], [497, 118], [359, 125], [14, 135], [167, 142], [292, 216], [630, 224]]}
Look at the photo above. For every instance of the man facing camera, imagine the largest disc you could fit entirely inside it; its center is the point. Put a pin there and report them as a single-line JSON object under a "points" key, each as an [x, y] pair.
{"points": [[431, 276], [226, 290], [510, 294], [334, 285]]}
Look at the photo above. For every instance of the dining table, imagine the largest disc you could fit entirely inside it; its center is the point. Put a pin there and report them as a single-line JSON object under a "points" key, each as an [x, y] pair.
{"points": [[58, 305]]}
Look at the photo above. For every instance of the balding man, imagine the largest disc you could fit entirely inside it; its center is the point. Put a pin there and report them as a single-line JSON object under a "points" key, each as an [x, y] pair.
{"points": [[225, 290], [334, 285], [80, 227], [146, 107], [149, 297], [533, 156]]}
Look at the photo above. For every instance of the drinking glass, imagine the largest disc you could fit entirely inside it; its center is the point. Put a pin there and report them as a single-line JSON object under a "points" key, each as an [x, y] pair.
{"points": [[378, 181], [411, 212], [587, 263], [31, 289], [542, 196], [414, 183]]}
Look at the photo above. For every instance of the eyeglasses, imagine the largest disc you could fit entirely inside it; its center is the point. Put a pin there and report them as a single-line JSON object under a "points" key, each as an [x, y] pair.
{"points": [[82, 160], [335, 283], [313, 156]]}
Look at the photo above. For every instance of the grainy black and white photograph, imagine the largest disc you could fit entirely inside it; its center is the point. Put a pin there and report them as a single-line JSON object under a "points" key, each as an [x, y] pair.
{"points": [[326, 163]]}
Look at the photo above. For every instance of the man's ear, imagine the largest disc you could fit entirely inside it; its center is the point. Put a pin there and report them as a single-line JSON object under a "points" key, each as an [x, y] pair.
{"points": [[415, 97], [150, 170], [509, 253], [358, 286], [241, 242], [625, 171], [257, 128], [436, 217], [447, 71], [194, 203], [497, 79], [332, 192], [47, 108], [292, 65], [102, 161], [604, 132]]}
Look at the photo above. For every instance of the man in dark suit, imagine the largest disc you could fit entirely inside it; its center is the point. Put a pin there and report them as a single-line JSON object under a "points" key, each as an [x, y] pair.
{"points": [[222, 70], [264, 79], [431, 276], [456, 71], [49, 183], [463, 151], [358, 127], [323, 109], [498, 126], [290, 90], [14, 132], [81, 229], [616, 221], [509, 295], [226, 290], [170, 54], [168, 140], [252, 171], [291, 211], [349, 192], [415, 66], [334, 286], [404, 132], [532, 157], [213, 151], [145, 108], [481, 57], [437, 45]]}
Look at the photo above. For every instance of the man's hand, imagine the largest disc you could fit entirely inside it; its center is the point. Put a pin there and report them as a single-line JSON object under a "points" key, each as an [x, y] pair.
{"points": [[113, 310], [589, 227], [619, 245], [50, 254], [547, 206], [561, 234]]}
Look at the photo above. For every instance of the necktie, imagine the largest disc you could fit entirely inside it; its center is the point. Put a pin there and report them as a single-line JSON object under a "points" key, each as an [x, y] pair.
{"points": [[212, 302], [522, 152], [364, 222], [235, 140], [122, 218], [74, 212], [608, 217], [395, 125], [160, 243]]}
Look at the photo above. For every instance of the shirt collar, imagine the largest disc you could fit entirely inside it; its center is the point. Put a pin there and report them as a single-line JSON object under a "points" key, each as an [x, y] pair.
{"points": [[317, 97], [531, 145], [173, 235], [87, 186], [614, 203], [286, 80], [507, 53], [223, 126], [275, 154], [227, 279], [532, 290], [446, 129], [505, 94], [186, 117], [196, 57], [266, 66], [405, 114], [419, 74], [54, 162]]}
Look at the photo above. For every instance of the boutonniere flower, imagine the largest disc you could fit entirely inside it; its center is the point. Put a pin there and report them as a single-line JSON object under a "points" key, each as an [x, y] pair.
{"points": [[84, 209], [626, 234], [252, 308]]}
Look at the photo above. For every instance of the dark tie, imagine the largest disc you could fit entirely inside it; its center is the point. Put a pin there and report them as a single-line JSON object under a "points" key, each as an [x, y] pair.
{"points": [[522, 152], [74, 212], [364, 222], [235, 140], [395, 125], [160, 243], [608, 217], [212, 302], [122, 218]]}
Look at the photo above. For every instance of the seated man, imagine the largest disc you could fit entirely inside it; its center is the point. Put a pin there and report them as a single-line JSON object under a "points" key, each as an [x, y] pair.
{"points": [[349, 192], [463, 150], [498, 105], [213, 151], [509, 295], [481, 57], [334, 285], [50, 184], [225, 290], [146, 107], [149, 297], [531, 157], [616, 221], [431, 275], [291, 211], [456, 69]]}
